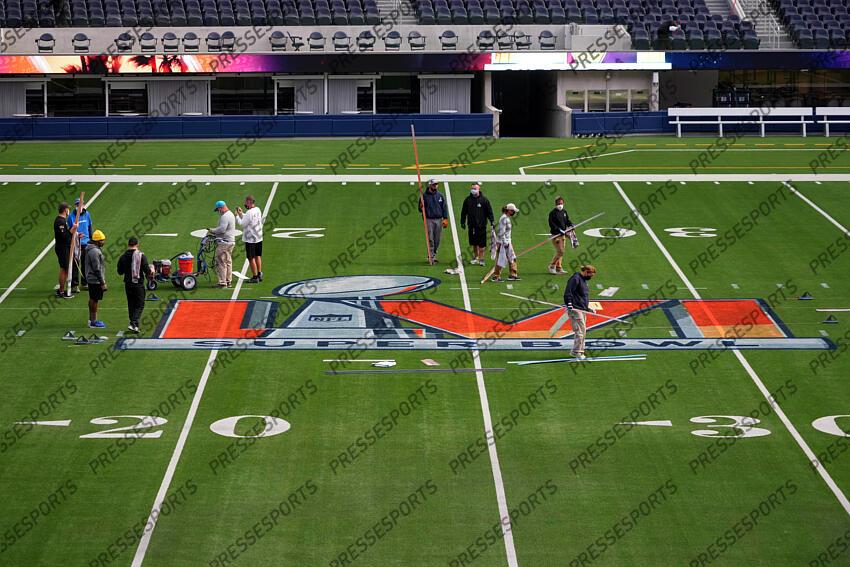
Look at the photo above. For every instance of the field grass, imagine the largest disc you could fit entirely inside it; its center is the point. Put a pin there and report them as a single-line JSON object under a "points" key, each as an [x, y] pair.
{"points": [[579, 486]]}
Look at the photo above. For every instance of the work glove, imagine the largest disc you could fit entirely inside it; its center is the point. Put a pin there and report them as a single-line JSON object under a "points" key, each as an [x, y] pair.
{"points": [[445, 223]]}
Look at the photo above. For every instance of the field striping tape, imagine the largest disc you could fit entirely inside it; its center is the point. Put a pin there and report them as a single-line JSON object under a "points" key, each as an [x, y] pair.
{"points": [[842, 310], [813, 458], [44, 252], [144, 541], [504, 513]]}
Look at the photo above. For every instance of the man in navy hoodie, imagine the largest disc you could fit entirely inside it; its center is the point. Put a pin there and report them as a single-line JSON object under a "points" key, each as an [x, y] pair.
{"points": [[577, 300], [436, 217]]}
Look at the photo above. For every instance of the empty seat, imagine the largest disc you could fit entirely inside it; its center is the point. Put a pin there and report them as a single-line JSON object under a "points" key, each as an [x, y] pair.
{"points": [[81, 43], [213, 41], [147, 42], [522, 40], [124, 42], [45, 43], [505, 40], [485, 40], [341, 41], [277, 41], [169, 41], [448, 40], [228, 41], [316, 41], [546, 40], [366, 41], [191, 41], [416, 41], [392, 41]]}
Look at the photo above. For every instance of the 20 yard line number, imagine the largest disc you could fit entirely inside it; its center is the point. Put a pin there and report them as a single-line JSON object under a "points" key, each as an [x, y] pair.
{"points": [[144, 426]]}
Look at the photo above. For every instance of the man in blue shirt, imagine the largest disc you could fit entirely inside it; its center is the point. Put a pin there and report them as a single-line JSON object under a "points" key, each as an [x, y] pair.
{"points": [[85, 230], [577, 300], [436, 217]]}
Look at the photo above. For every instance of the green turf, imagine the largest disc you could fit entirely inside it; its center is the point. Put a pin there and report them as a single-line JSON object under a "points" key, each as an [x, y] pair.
{"points": [[221, 501]]}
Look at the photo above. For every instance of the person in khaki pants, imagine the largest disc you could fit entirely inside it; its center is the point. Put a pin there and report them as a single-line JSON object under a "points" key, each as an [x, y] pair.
{"points": [[225, 238], [559, 221], [576, 298]]}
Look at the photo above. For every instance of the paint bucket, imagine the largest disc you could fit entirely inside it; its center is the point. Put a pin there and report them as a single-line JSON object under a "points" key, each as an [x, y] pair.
{"points": [[184, 263]]}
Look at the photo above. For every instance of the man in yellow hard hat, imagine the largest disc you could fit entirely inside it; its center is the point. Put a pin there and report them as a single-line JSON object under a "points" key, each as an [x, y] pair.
{"points": [[95, 276]]}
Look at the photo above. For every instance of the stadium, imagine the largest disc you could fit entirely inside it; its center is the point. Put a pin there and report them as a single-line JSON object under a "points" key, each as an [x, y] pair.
{"points": [[424, 283]]}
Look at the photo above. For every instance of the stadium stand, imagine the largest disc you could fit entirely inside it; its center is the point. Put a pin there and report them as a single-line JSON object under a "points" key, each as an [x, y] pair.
{"points": [[815, 24]]}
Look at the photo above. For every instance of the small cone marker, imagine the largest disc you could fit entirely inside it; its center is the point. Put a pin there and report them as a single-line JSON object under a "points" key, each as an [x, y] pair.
{"points": [[830, 319], [806, 296], [81, 341], [70, 335], [151, 297]]}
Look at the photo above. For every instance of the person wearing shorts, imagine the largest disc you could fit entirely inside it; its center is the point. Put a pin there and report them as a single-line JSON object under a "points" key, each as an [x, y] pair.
{"points": [[63, 235], [251, 221]]}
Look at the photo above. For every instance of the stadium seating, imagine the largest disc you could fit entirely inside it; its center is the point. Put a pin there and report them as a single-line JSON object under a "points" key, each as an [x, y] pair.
{"points": [[186, 13], [815, 24]]}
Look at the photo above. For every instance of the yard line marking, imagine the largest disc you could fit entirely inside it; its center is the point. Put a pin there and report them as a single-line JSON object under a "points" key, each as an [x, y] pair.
{"points": [[44, 252], [823, 213], [780, 413], [824, 285], [823, 333], [144, 541], [504, 513], [522, 169], [842, 310], [161, 234], [43, 168]]}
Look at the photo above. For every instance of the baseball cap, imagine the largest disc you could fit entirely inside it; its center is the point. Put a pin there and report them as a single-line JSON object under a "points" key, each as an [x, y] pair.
{"points": [[219, 204], [511, 207], [432, 181], [77, 201]]}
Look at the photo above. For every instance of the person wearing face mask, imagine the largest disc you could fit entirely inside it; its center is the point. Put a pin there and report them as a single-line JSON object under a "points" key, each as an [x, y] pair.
{"points": [[476, 212], [436, 217], [505, 255], [559, 222], [577, 300]]}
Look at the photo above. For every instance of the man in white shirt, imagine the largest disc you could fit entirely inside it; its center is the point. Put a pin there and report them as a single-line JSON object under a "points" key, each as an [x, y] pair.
{"points": [[225, 238], [251, 221]]}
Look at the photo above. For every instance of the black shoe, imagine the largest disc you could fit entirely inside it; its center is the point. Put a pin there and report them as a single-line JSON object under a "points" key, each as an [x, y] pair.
{"points": [[514, 278], [260, 277], [255, 279]]}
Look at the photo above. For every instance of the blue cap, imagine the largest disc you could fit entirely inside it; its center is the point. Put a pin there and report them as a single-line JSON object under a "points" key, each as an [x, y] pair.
{"points": [[219, 204], [77, 201]]}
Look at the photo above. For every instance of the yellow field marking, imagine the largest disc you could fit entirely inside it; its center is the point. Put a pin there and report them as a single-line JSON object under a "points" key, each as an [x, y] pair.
{"points": [[512, 157], [390, 165], [543, 153], [358, 165], [322, 164], [616, 145], [167, 165], [495, 159], [71, 164], [263, 164], [479, 162], [764, 145], [559, 150], [295, 165], [646, 145], [793, 144], [532, 155], [823, 144], [672, 145], [39, 165]]}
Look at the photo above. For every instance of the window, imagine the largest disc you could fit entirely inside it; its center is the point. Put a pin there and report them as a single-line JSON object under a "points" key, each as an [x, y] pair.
{"points": [[365, 98], [597, 101], [35, 99], [242, 95], [76, 97], [575, 100], [128, 98], [398, 94], [618, 101], [286, 97], [640, 100]]}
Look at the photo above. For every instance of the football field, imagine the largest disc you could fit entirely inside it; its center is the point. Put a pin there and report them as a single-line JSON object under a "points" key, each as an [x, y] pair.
{"points": [[248, 426]]}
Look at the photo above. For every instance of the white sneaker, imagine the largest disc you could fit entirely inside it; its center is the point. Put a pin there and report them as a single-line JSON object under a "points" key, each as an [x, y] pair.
{"points": [[560, 271], [552, 270]]}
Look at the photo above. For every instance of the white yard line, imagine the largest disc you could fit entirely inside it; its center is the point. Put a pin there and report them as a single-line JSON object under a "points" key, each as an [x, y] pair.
{"points": [[162, 494], [504, 513], [812, 204], [522, 169], [813, 458], [44, 252]]}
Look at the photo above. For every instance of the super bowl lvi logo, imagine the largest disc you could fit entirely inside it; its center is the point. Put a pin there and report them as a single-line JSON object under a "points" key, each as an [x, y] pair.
{"points": [[393, 312]]}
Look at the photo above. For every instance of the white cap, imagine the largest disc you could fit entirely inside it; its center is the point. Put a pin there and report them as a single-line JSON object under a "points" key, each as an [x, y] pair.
{"points": [[511, 207]]}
